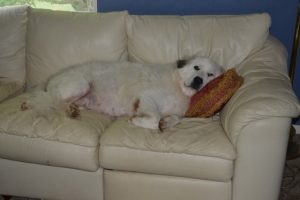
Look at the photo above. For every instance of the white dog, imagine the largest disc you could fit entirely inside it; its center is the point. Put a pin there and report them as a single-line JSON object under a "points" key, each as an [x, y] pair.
{"points": [[153, 96]]}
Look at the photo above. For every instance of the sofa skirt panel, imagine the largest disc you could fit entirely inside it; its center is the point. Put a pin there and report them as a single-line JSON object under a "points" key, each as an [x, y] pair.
{"points": [[47, 152], [169, 164], [136, 186], [47, 182]]}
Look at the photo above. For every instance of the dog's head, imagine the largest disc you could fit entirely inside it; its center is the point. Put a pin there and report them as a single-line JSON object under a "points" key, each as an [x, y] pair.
{"points": [[194, 74]]}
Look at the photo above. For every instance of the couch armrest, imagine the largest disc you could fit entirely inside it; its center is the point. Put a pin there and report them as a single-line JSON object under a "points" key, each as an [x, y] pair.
{"points": [[260, 159], [266, 91], [10, 89]]}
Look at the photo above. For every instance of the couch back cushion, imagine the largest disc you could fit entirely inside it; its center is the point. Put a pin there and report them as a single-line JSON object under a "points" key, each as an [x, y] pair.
{"points": [[58, 39], [225, 39], [13, 20]]}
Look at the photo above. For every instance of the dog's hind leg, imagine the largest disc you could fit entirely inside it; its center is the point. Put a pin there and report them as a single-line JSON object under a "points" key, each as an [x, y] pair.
{"points": [[67, 89], [60, 93]]}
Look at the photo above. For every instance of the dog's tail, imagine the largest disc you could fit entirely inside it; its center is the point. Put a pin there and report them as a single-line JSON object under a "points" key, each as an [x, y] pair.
{"points": [[42, 103]]}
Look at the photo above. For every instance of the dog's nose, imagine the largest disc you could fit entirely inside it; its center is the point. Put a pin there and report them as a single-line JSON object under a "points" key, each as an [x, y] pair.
{"points": [[197, 82]]}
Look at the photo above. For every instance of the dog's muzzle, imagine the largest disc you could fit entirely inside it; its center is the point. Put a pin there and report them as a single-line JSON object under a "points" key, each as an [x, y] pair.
{"points": [[197, 83]]}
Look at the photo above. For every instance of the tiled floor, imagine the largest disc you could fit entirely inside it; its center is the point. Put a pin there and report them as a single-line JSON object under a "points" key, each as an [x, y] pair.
{"points": [[290, 188]]}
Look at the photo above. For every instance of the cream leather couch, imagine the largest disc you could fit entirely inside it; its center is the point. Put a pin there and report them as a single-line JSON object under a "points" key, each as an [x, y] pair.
{"points": [[238, 155]]}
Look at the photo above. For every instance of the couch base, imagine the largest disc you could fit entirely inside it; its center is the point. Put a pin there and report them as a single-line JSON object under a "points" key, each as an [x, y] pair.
{"points": [[136, 186], [47, 182], [39, 181]]}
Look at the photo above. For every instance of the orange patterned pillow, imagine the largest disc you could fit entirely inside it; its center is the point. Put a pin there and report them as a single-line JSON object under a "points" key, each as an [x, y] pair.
{"points": [[214, 95]]}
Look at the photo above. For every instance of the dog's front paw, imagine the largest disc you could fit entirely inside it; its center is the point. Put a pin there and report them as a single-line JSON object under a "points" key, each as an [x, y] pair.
{"points": [[168, 122], [145, 122], [73, 111]]}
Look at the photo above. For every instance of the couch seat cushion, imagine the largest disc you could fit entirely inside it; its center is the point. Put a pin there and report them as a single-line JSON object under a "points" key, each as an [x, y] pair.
{"points": [[196, 148], [52, 140]]}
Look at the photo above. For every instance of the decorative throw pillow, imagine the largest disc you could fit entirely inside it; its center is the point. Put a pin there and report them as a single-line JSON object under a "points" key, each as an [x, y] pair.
{"points": [[214, 95]]}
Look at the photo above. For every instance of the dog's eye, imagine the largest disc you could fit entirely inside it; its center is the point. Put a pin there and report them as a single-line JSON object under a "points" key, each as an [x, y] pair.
{"points": [[210, 74], [196, 67]]}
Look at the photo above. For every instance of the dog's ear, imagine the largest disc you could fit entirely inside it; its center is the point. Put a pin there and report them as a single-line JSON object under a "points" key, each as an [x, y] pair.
{"points": [[181, 63]]}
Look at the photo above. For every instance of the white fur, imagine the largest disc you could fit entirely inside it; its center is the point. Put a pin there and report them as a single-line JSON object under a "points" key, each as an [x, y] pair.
{"points": [[153, 96]]}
